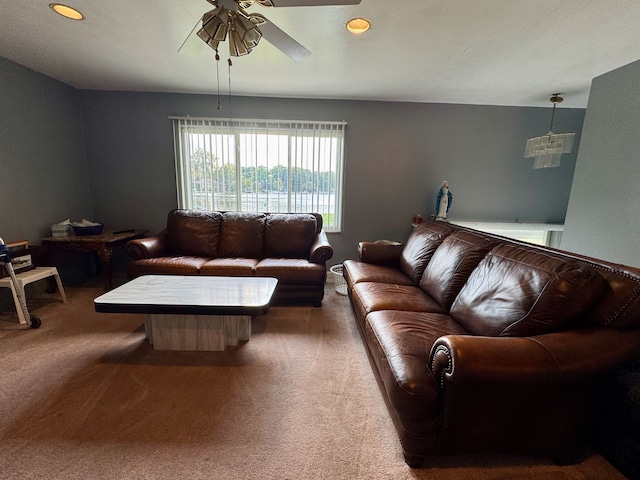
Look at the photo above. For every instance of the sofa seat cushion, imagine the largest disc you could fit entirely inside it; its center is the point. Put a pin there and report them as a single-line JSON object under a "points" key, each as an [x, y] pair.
{"points": [[194, 232], [292, 270], [370, 297], [400, 342], [356, 272], [289, 235], [166, 266], [517, 291], [230, 267], [452, 263], [242, 235]]}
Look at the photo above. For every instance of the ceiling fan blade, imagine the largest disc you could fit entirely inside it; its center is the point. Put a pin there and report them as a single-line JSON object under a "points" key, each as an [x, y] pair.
{"points": [[192, 45], [283, 42], [312, 3]]}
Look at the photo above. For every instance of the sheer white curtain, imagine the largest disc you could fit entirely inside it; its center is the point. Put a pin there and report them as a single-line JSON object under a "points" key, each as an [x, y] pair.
{"points": [[261, 165]]}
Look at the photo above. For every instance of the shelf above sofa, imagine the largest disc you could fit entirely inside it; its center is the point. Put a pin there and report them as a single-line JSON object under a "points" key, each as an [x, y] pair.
{"points": [[548, 234]]}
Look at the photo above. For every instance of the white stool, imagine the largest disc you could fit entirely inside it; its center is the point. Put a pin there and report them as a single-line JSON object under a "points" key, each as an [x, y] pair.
{"points": [[30, 276]]}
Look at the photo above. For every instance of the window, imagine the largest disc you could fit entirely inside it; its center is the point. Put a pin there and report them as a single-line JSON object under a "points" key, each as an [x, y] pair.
{"points": [[261, 166]]}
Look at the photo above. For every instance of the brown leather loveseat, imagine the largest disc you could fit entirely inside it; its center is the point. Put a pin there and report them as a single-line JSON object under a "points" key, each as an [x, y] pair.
{"points": [[481, 343], [291, 247]]}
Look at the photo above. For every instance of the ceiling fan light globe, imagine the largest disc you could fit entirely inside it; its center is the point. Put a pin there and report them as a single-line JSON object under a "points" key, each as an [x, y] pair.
{"points": [[237, 47], [245, 32], [214, 44], [214, 26]]}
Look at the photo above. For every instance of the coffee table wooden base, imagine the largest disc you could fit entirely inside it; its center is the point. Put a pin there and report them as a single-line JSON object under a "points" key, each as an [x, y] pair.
{"points": [[196, 332]]}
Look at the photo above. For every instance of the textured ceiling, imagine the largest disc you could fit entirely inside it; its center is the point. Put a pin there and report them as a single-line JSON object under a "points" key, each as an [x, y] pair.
{"points": [[487, 52]]}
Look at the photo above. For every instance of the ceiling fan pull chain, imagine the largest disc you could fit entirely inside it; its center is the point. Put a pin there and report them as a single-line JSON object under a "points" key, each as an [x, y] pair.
{"points": [[218, 78], [230, 63]]}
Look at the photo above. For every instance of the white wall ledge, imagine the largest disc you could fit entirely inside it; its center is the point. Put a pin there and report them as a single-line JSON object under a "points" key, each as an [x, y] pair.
{"points": [[548, 234], [550, 227]]}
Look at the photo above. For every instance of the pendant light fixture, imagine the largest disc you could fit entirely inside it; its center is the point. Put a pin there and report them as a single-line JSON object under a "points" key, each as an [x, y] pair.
{"points": [[547, 149]]}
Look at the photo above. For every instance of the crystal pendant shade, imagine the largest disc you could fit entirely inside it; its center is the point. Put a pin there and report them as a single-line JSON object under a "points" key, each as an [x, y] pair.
{"points": [[547, 149]]}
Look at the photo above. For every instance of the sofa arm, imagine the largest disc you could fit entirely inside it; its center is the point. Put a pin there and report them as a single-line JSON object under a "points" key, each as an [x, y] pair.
{"points": [[149, 247], [380, 253], [321, 249], [553, 359], [533, 395]]}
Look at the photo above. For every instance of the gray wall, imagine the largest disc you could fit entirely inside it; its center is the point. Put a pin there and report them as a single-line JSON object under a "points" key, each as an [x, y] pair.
{"points": [[121, 172], [43, 169], [603, 216], [397, 155]]}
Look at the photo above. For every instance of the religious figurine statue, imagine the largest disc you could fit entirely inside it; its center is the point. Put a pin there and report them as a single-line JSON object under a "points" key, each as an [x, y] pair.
{"points": [[443, 201]]}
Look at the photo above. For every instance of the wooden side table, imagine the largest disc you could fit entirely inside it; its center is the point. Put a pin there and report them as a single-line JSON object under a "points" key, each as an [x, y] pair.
{"points": [[103, 244], [27, 277]]}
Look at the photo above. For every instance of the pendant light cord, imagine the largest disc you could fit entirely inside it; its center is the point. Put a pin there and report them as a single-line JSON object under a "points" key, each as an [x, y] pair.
{"points": [[555, 99], [553, 113]]}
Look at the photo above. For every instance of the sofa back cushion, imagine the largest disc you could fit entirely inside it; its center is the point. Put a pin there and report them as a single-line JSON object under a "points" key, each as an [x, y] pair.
{"points": [[517, 291], [242, 235], [420, 246], [318, 218], [289, 235], [194, 232], [619, 306], [452, 263]]}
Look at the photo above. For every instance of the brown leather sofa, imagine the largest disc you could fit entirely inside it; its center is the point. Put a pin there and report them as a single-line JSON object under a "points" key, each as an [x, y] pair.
{"points": [[291, 247], [480, 343]]}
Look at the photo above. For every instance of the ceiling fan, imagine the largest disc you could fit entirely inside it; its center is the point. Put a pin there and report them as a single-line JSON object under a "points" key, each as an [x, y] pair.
{"points": [[230, 21]]}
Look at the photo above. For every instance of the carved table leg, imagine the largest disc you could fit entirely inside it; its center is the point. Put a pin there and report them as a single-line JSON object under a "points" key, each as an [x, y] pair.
{"points": [[105, 254]]}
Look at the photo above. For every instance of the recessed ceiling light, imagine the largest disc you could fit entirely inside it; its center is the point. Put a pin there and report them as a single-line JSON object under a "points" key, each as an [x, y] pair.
{"points": [[67, 12], [358, 25]]}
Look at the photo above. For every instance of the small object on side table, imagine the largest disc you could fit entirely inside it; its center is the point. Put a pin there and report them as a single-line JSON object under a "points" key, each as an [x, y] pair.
{"points": [[86, 230]]}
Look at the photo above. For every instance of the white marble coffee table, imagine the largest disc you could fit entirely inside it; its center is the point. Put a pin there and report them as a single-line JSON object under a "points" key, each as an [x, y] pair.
{"points": [[192, 312]]}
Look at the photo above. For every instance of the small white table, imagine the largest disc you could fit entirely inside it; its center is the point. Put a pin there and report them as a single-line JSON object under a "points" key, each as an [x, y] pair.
{"points": [[24, 278], [192, 312]]}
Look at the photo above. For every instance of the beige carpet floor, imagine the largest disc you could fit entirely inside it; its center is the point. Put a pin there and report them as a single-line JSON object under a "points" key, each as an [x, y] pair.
{"points": [[86, 397]]}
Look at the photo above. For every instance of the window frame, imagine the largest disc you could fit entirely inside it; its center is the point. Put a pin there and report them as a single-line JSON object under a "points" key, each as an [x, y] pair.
{"points": [[326, 141]]}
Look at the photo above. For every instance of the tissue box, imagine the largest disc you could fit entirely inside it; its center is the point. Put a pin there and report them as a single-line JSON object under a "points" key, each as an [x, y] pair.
{"points": [[58, 230]]}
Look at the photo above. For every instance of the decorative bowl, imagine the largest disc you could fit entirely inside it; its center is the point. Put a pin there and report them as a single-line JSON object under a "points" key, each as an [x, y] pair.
{"points": [[88, 230]]}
